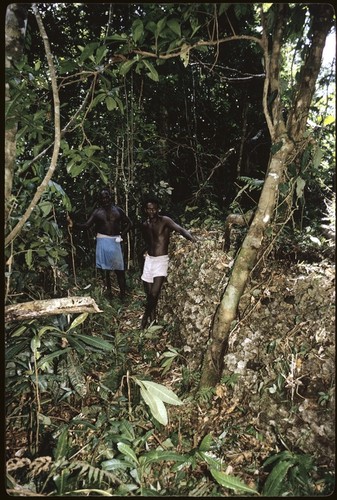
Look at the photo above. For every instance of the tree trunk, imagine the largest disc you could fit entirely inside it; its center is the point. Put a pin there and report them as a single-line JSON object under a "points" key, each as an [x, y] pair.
{"points": [[227, 310], [38, 308], [15, 28], [284, 138], [57, 134]]}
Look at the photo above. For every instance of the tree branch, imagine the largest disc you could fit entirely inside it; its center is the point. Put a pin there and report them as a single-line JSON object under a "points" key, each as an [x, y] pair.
{"points": [[38, 308], [201, 43], [57, 136]]}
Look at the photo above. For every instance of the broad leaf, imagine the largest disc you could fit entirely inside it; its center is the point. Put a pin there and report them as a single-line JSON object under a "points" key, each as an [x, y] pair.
{"points": [[205, 444], [231, 482], [96, 342], [126, 66], [110, 103], [157, 455], [137, 29], [128, 452], [77, 321], [156, 406], [161, 392], [115, 464], [274, 484], [29, 257], [153, 72], [51, 356], [174, 25]]}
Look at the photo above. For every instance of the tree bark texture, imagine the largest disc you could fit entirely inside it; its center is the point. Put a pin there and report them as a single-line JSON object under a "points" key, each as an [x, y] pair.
{"points": [[38, 308], [57, 134], [15, 27]]}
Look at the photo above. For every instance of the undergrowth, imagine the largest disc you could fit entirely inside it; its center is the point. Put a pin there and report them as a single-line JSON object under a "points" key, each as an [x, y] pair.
{"points": [[89, 411]]}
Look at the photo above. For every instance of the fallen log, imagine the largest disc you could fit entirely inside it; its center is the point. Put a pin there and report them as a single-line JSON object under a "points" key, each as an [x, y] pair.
{"points": [[38, 308]]}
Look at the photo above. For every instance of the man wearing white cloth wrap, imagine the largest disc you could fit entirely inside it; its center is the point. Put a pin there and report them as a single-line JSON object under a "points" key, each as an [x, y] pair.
{"points": [[156, 231]]}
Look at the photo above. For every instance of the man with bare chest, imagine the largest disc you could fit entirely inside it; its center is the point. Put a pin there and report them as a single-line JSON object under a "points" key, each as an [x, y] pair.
{"points": [[111, 224], [156, 231]]}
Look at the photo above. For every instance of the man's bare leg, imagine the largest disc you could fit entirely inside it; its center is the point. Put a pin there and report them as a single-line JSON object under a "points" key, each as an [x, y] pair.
{"points": [[121, 283], [152, 292]]}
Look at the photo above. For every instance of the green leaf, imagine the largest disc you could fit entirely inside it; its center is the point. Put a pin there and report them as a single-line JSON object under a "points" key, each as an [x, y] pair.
{"points": [[328, 120], [48, 328], [117, 38], [213, 462], [127, 430], [115, 464], [75, 170], [110, 103], [89, 151], [100, 53], [35, 344], [51, 356], [120, 104], [170, 353], [157, 455], [174, 25], [77, 321], [128, 452], [160, 26], [205, 444], [317, 158], [19, 331], [137, 30], [274, 484], [126, 66], [29, 257], [101, 344], [185, 54], [62, 444], [161, 392], [46, 207], [156, 406], [231, 482], [153, 72], [76, 344], [99, 98], [88, 51]]}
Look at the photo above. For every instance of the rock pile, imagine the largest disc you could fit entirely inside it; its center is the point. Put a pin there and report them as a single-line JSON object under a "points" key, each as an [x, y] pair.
{"points": [[282, 349]]}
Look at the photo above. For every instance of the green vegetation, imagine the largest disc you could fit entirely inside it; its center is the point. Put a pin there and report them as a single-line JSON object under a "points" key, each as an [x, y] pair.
{"points": [[151, 98]]}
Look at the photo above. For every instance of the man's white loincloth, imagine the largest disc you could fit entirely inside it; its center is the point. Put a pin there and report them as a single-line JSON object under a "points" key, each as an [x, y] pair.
{"points": [[154, 267]]}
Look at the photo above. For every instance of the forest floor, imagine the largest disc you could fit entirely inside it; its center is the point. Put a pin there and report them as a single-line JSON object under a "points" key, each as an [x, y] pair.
{"points": [[277, 388]]}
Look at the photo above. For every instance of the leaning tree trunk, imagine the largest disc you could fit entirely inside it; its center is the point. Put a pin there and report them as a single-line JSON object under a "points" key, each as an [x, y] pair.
{"points": [[227, 310], [285, 139]]}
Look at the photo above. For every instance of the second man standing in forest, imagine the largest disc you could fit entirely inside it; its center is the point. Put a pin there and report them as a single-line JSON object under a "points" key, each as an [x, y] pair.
{"points": [[156, 230]]}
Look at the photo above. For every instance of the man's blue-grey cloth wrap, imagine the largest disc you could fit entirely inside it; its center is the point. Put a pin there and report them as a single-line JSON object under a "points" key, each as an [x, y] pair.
{"points": [[109, 253]]}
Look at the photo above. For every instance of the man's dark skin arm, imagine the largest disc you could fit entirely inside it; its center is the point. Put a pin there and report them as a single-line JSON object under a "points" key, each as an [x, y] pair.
{"points": [[126, 222]]}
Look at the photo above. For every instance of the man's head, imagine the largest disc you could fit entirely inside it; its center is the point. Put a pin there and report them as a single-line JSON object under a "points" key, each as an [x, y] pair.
{"points": [[150, 199], [105, 197], [151, 206]]}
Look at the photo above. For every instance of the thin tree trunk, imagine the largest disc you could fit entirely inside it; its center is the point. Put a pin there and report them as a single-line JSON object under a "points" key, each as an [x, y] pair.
{"points": [[40, 190], [14, 36]]}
